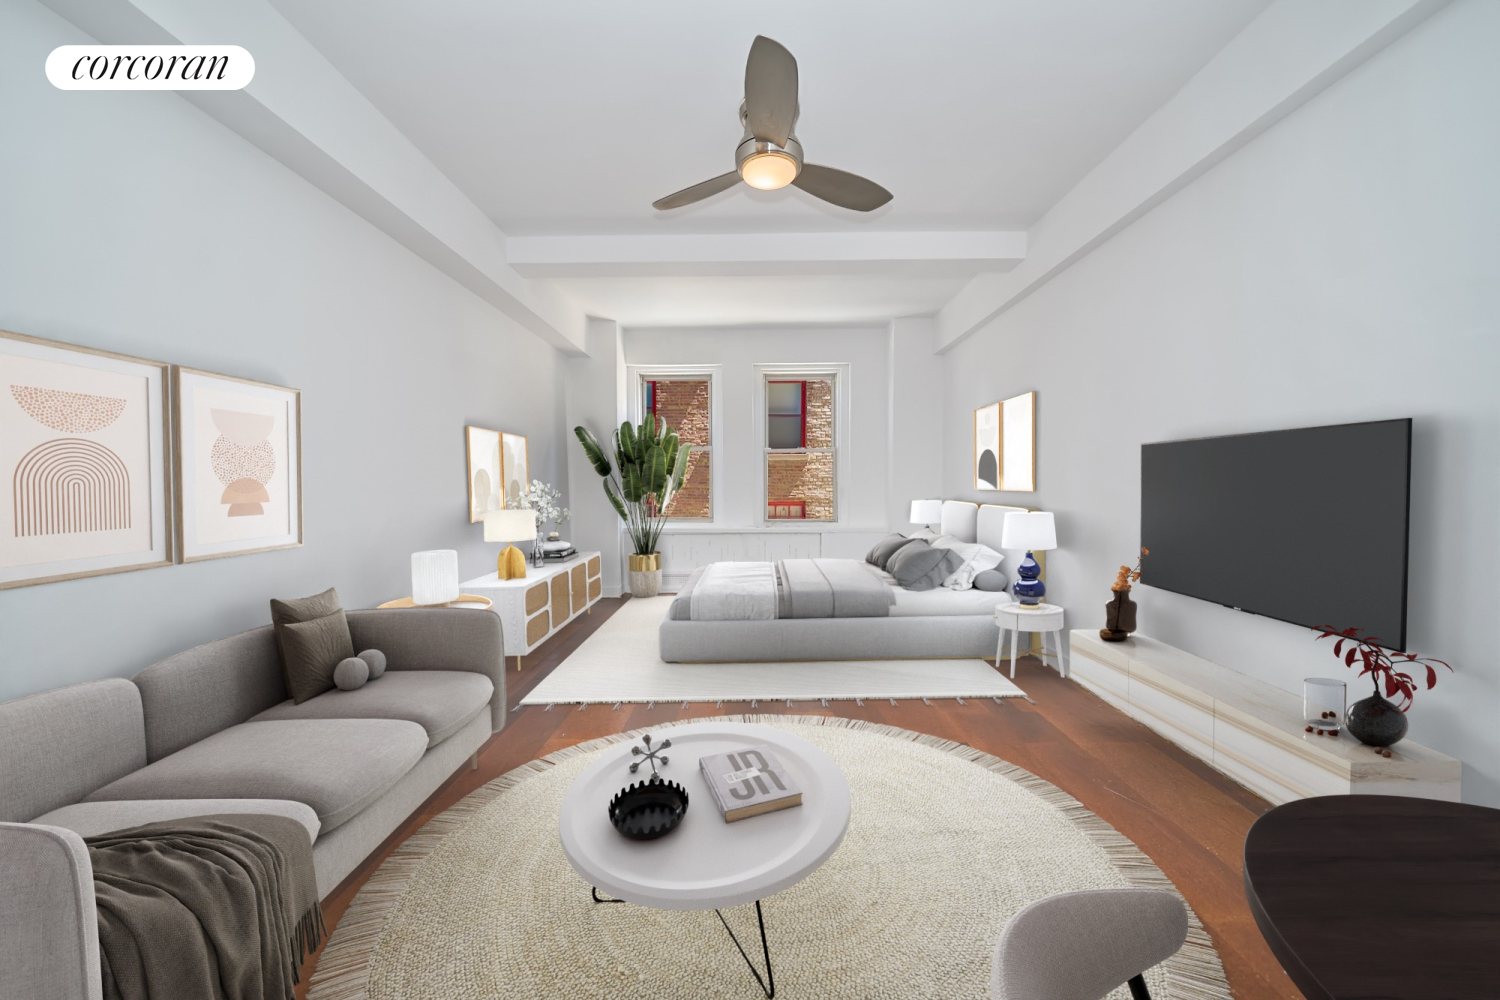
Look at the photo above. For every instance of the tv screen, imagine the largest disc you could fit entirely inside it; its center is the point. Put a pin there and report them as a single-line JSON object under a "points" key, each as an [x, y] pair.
{"points": [[1307, 526]]}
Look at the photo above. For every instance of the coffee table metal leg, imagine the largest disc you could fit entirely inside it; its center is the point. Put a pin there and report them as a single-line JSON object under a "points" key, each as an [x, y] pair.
{"points": [[768, 984], [602, 899]]}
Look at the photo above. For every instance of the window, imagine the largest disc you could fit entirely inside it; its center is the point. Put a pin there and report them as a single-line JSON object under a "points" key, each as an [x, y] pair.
{"points": [[800, 440], [686, 404]]}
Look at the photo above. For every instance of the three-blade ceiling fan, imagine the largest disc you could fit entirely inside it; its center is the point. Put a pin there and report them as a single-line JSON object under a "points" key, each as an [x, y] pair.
{"points": [[769, 156]]}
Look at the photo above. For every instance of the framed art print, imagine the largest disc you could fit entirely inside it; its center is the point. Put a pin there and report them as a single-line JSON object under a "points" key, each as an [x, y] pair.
{"points": [[1018, 443], [239, 466], [486, 480], [86, 455], [514, 467], [987, 447]]}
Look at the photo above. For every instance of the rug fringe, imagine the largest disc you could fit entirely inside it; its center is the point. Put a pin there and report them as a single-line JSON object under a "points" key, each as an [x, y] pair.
{"points": [[343, 970]]}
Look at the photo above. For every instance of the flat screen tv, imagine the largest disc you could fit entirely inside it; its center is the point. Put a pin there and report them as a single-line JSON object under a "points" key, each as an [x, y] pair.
{"points": [[1307, 526]]}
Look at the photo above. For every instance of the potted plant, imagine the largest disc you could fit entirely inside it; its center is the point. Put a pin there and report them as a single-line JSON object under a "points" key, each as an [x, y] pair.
{"points": [[1119, 613], [1374, 721], [651, 464]]}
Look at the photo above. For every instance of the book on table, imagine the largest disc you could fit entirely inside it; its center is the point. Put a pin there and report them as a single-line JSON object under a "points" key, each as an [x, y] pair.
{"points": [[749, 782]]}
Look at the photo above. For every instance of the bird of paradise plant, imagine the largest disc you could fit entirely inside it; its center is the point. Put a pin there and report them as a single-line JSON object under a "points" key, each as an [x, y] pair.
{"points": [[652, 464]]}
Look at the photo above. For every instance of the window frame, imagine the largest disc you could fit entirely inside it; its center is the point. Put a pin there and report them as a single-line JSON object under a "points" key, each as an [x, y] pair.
{"points": [[838, 374], [639, 376]]}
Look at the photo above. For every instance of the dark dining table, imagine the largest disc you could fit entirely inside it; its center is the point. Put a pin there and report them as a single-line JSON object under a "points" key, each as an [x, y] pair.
{"points": [[1379, 896]]}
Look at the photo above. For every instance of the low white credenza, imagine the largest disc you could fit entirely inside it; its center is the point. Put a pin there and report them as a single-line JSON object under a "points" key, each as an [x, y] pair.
{"points": [[544, 600], [1246, 728]]}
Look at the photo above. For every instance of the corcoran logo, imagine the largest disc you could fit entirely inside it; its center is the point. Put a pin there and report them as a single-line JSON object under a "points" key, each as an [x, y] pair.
{"points": [[150, 67]]}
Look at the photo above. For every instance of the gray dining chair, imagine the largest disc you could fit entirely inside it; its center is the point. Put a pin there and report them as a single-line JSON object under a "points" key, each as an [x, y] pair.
{"points": [[1083, 945]]}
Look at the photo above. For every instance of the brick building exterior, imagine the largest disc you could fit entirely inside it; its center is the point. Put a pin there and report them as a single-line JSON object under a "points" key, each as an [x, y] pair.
{"points": [[685, 405], [802, 482]]}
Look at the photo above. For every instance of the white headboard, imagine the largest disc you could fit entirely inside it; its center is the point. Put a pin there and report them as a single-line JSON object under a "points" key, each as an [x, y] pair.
{"points": [[992, 523], [960, 519]]}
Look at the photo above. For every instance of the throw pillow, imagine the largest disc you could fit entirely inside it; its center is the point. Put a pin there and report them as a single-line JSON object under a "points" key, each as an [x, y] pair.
{"points": [[989, 579], [885, 548], [919, 566], [976, 558], [302, 609], [375, 659], [351, 674], [313, 651]]}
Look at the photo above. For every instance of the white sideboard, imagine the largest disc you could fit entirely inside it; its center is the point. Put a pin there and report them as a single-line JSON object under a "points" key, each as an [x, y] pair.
{"points": [[1246, 728], [544, 600], [684, 549]]}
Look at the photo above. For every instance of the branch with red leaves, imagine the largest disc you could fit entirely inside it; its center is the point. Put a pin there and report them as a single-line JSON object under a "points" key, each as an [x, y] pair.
{"points": [[1381, 663]]}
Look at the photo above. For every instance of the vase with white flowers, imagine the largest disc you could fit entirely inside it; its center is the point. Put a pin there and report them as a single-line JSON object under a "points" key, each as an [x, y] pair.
{"points": [[547, 502], [652, 464]]}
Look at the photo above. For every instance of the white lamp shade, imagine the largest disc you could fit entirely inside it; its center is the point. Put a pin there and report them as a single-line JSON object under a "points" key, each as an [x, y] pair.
{"points": [[926, 511], [510, 525], [434, 576], [1028, 529]]}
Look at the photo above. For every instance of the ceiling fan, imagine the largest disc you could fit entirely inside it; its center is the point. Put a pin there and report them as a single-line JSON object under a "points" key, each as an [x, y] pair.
{"points": [[769, 156]]}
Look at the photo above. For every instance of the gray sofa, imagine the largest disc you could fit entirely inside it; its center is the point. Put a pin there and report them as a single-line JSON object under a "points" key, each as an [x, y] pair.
{"points": [[212, 730]]}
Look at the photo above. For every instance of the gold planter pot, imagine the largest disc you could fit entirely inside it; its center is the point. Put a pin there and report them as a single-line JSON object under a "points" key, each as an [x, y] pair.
{"points": [[645, 575]]}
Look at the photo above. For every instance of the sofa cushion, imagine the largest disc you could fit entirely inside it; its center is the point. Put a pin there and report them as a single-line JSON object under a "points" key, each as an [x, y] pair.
{"points": [[440, 701], [89, 819], [57, 746], [337, 766]]}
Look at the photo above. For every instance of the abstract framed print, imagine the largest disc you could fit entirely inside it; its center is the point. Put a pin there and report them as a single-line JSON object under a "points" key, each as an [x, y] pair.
{"points": [[515, 468], [1018, 443], [239, 465], [86, 455], [486, 481], [987, 447]]}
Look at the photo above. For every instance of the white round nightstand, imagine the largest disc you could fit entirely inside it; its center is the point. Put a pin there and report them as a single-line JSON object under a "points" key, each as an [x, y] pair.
{"points": [[1046, 619]]}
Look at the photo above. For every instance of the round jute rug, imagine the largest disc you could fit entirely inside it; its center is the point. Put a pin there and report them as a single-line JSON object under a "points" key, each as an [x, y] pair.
{"points": [[945, 843]]}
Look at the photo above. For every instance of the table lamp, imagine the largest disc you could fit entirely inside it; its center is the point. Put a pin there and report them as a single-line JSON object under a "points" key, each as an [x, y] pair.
{"points": [[926, 512], [510, 526], [1033, 531], [434, 577]]}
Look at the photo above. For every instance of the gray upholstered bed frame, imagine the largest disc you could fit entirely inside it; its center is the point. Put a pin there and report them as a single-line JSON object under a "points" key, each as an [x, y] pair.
{"points": [[791, 640]]}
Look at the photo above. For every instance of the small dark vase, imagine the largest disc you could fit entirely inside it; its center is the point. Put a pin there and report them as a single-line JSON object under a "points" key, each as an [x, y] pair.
{"points": [[1119, 618], [1376, 722]]}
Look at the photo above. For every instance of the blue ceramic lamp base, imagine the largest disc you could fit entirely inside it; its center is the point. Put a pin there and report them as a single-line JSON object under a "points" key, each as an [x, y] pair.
{"points": [[1028, 589]]}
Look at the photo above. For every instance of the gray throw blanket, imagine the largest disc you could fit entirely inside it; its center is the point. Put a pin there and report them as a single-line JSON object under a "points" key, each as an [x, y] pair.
{"points": [[207, 908]]}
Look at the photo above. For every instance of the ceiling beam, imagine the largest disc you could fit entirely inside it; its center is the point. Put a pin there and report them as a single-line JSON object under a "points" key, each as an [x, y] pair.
{"points": [[916, 254], [1289, 54], [301, 111]]}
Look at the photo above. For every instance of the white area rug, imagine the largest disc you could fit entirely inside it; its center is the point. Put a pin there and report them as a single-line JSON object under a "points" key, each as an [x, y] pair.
{"points": [[945, 844], [621, 662]]}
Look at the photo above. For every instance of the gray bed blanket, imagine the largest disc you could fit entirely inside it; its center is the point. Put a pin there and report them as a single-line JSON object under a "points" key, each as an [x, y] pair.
{"points": [[811, 588], [209, 907], [830, 588]]}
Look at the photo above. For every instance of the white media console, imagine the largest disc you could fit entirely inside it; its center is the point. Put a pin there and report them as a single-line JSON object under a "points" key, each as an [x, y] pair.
{"points": [[1248, 729]]}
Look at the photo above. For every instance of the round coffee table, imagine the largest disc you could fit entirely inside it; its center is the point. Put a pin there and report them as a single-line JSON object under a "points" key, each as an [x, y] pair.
{"points": [[706, 863]]}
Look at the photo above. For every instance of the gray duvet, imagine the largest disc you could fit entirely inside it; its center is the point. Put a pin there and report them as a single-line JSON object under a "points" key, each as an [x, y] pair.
{"points": [[813, 588]]}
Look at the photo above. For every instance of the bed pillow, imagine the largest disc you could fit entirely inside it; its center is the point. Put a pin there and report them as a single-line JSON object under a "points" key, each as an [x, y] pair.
{"points": [[885, 548], [989, 579], [975, 558], [919, 566]]}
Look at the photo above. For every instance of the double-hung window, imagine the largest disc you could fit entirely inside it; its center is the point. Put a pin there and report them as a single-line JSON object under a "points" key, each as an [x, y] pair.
{"points": [[686, 402], [800, 465]]}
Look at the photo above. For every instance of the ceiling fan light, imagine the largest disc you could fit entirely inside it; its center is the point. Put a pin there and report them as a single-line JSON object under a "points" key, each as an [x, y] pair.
{"points": [[769, 170]]}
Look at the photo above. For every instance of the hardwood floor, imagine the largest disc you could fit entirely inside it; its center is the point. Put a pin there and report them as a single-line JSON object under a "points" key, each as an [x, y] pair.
{"points": [[1190, 819]]}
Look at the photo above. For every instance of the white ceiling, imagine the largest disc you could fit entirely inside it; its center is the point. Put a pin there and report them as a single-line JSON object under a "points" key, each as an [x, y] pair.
{"points": [[571, 117]]}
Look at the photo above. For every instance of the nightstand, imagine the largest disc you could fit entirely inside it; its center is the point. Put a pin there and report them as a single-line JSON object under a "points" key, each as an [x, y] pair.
{"points": [[1045, 619]]}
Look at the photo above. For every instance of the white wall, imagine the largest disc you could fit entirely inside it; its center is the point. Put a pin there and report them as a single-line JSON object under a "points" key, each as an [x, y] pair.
{"points": [[135, 223], [737, 350], [596, 400], [1340, 267]]}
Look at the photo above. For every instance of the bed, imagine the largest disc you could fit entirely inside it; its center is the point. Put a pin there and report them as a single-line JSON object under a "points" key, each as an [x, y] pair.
{"points": [[928, 624]]}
